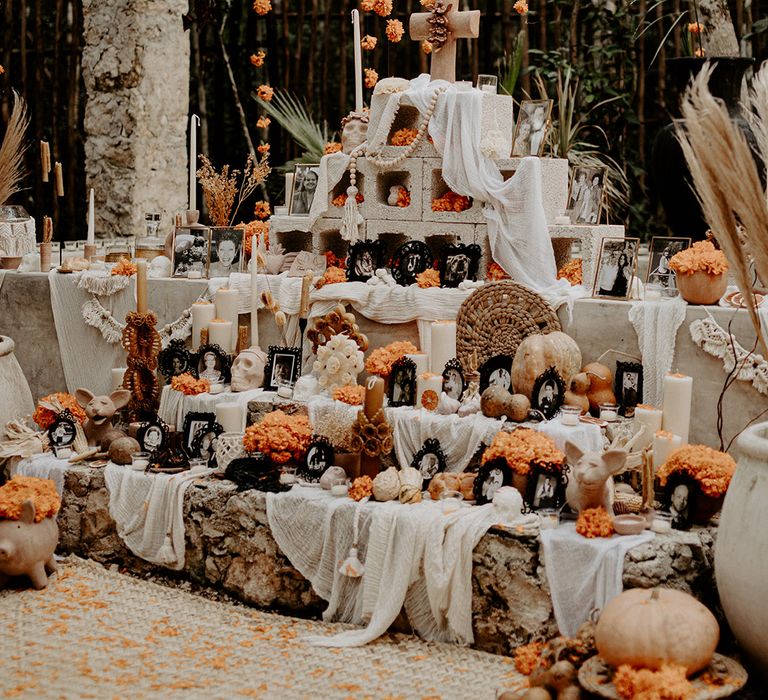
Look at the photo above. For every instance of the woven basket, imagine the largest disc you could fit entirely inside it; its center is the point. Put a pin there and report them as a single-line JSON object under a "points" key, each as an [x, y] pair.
{"points": [[496, 318], [229, 448]]}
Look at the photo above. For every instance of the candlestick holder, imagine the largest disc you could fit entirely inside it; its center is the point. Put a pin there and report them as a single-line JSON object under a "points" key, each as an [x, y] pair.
{"points": [[142, 343], [90, 251], [45, 257]]}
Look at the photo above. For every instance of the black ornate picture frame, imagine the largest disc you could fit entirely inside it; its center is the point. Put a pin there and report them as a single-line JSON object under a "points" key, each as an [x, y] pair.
{"points": [[153, 436], [283, 367], [409, 260], [459, 262], [496, 370], [318, 457], [548, 393], [211, 362], [62, 434], [365, 257], [454, 382], [546, 489], [679, 499], [402, 383], [490, 477], [628, 387], [204, 443], [429, 461], [194, 422], [175, 359]]}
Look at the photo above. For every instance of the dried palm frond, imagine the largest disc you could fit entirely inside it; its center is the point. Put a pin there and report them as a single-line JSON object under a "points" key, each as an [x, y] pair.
{"points": [[756, 113], [727, 184], [12, 169]]}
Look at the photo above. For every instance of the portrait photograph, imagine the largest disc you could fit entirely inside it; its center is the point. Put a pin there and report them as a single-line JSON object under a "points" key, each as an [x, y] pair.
{"points": [[496, 372], [365, 257], [429, 460], [205, 442], [628, 387], [226, 251], [616, 268], [209, 367], [532, 128], [548, 393], [190, 251], [454, 383], [282, 367], [194, 424], [402, 383], [661, 251], [61, 435], [409, 260], [175, 359], [152, 436], [458, 263], [679, 496], [545, 490], [490, 478], [585, 199], [318, 458], [305, 178]]}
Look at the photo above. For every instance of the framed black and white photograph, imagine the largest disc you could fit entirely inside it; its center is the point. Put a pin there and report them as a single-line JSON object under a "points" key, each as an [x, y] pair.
{"points": [[585, 198], [409, 260], [678, 498], [616, 268], [305, 178], [454, 383], [318, 458], [212, 363], [190, 251], [490, 478], [661, 251], [153, 436], [194, 423], [226, 251], [283, 367], [628, 386], [402, 383], [365, 257], [429, 460], [497, 371], [205, 442], [175, 359], [531, 128], [62, 433], [458, 263], [545, 490], [548, 393]]}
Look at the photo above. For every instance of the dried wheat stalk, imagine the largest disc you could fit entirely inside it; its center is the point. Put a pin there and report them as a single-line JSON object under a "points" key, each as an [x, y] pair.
{"points": [[12, 169], [756, 113], [727, 184]]}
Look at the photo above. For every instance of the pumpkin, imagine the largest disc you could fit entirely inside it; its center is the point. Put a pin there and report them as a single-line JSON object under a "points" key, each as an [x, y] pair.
{"points": [[600, 385], [647, 628], [537, 353], [576, 394], [496, 402]]}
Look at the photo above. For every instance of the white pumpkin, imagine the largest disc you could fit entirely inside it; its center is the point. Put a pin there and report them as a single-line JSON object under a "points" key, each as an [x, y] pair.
{"points": [[537, 353]]}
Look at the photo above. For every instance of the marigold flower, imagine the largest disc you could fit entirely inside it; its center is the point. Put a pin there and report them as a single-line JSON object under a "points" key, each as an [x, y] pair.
{"points": [[2, 70], [428, 4], [451, 201], [42, 492], [254, 228], [44, 417], [262, 7], [279, 436], [263, 122], [371, 78], [404, 137], [383, 8], [261, 210], [711, 468], [403, 198], [361, 487], [369, 42], [367, 5], [669, 681], [380, 361], [264, 92], [428, 278], [124, 267], [257, 59], [528, 657], [189, 386], [495, 273], [594, 522], [521, 7], [695, 28], [332, 275], [333, 147], [571, 271], [333, 260], [702, 256], [426, 47], [394, 30], [263, 149], [352, 395], [524, 448]]}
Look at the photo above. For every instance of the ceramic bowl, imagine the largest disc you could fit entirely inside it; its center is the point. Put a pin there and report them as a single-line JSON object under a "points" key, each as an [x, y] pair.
{"points": [[629, 524], [10, 263]]}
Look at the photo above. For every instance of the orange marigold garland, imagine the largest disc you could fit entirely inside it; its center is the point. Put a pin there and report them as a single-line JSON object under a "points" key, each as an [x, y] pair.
{"points": [[594, 522], [257, 59], [263, 122], [702, 256], [380, 361], [428, 278], [668, 683], [279, 436], [528, 657], [332, 147], [368, 42], [571, 271], [265, 92], [124, 267], [341, 199], [371, 78], [383, 8], [404, 137], [262, 210], [44, 417], [332, 275], [262, 7], [394, 30], [451, 201], [524, 448], [711, 468], [352, 395], [189, 386], [42, 492]]}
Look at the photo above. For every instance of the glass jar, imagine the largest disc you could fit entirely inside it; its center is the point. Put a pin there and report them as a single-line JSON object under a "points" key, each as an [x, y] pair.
{"points": [[149, 248], [116, 252]]}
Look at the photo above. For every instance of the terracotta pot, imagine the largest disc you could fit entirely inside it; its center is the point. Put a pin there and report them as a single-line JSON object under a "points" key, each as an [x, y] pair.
{"points": [[741, 566], [349, 462], [704, 507], [702, 288], [10, 263], [520, 482]]}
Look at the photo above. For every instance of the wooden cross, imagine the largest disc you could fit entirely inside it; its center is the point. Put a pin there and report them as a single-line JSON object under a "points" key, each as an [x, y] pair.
{"points": [[460, 25]]}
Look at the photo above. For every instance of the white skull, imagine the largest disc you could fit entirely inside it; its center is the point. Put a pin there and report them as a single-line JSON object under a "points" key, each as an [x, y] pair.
{"points": [[159, 267], [394, 195], [248, 369], [354, 132]]}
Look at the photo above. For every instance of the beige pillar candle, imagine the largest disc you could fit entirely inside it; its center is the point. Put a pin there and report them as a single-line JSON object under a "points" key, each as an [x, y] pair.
{"points": [[231, 417], [678, 393], [254, 292], [650, 417], [432, 383], [442, 346], [664, 444], [306, 286], [45, 160], [374, 400], [220, 333], [421, 360], [58, 178], [227, 301], [141, 286], [203, 312], [118, 374]]}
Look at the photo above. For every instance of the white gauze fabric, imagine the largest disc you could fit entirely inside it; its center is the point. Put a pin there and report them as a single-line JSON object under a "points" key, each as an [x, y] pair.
{"points": [[175, 405], [43, 466]]}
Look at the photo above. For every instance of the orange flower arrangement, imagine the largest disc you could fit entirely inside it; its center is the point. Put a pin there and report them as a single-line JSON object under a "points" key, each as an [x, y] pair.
{"points": [[254, 228], [341, 199], [403, 197], [279, 436], [394, 30], [124, 267], [42, 492], [496, 273], [330, 148], [571, 271], [332, 275], [524, 448], [528, 657], [668, 683], [44, 417], [263, 149], [264, 92], [352, 395], [367, 5], [189, 386], [521, 7], [262, 7], [594, 522], [261, 210], [371, 78], [333, 260], [383, 8], [711, 468], [404, 137], [257, 59], [263, 122], [700, 257], [428, 278], [369, 42], [360, 488], [426, 47], [380, 361], [451, 201]]}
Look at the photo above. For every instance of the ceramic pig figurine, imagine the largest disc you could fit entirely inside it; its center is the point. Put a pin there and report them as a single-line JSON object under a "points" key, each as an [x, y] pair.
{"points": [[99, 411], [590, 483], [26, 547]]}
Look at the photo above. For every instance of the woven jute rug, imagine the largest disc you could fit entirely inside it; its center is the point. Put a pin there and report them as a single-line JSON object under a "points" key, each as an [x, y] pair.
{"points": [[96, 633]]}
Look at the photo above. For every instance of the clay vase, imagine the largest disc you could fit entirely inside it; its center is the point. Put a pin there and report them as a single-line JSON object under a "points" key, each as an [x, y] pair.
{"points": [[741, 567], [701, 287], [349, 462], [10, 263]]}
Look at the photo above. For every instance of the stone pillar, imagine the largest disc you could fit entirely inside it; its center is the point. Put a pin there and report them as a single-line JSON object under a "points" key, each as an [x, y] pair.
{"points": [[136, 72]]}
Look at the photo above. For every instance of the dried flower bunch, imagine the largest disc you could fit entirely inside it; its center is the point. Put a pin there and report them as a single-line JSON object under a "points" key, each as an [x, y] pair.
{"points": [[189, 386], [668, 683], [571, 271], [404, 137], [524, 448], [49, 407], [700, 257], [595, 522], [380, 361], [12, 148], [428, 278], [394, 30], [371, 78], [711, 468], [42, 492], [451, 201], [332, 275], [279, 436], [219, 190], [351, 395], [124, 267], [335, 424]]}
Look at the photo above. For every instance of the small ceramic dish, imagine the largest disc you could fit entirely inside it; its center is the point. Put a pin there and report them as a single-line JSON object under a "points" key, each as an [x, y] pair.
{"points": [[629, 524]]}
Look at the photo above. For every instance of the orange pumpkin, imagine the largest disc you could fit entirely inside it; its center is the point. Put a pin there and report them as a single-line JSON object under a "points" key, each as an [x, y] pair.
{"points": [[646, 628], [600, 385], [537, 353], [576, 394]]}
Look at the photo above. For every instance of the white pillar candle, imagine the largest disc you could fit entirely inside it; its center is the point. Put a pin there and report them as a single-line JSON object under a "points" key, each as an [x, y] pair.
{"points": [[141, 286], [231, 417], [194, 121], [220, 333], [650, 417], [254, 293], [442, 346], [91, 220], [226, 308], [421, 360], [358, 62], [678, 392], [428, 382], [118, 373], [288, 188], [664, 444], [203, 312]]}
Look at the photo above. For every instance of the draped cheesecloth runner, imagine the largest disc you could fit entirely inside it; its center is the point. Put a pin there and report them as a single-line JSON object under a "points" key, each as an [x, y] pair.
{"points": [[414, 556]]}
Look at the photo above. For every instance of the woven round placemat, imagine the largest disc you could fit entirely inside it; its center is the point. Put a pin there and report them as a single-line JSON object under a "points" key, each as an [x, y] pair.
{"points": [[595, 676], [496, 318]]}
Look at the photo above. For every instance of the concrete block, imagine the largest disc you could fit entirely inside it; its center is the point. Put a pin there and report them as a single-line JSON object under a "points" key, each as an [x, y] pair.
{"points": [[554, 183], [591, 238], [407, 174], [434, 187], [341, 188]]}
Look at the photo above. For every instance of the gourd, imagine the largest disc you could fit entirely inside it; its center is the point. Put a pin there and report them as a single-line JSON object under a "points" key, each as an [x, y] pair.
{"points": [[537, 353], [576, 395], [496, 402], [646, 628], [386, 485], [600, 385], [452, 481]]}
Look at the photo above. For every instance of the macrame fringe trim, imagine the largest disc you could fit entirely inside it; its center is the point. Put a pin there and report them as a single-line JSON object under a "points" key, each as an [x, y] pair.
{"points": [[101, 285]]}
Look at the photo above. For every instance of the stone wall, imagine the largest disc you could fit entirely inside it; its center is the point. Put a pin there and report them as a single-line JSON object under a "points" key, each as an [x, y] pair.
{"points": [[136, 72], [229, 547]]}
